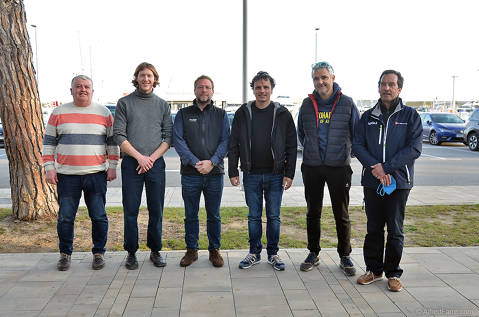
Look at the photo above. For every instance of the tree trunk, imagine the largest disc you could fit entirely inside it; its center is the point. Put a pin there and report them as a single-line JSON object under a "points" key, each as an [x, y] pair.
{"points": [[20, 110]]}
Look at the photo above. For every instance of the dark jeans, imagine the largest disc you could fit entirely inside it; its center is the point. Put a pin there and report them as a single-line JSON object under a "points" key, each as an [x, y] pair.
{"points": [[271, 185], [132, 188], [381, 210], [69, 190], [338, 180], [212, 188]]}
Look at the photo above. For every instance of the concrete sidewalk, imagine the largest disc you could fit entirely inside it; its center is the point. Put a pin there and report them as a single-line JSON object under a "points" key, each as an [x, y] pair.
{"points": [[233, 196], [437, 282]]}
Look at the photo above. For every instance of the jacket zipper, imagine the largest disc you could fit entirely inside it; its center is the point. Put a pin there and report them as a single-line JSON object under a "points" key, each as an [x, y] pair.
{"points": [[407, 172], [380, 133]]}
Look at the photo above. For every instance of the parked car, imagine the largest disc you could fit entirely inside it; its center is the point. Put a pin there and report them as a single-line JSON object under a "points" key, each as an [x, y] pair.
{"points": [[471, 132], [2, 141], [442, 127], [112, 109], [464, 113]]}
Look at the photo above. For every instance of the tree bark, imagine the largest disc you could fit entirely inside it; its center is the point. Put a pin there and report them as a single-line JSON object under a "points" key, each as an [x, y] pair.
{"points": [[20, 110]]}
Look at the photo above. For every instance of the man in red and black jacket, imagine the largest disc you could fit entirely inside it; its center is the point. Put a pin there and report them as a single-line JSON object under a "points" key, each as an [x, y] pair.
{"points": [[326, 123]]}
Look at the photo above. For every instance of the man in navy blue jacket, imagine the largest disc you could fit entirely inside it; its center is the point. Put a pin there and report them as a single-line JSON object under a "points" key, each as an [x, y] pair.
{"points": [[387, 141], [200, 135]]}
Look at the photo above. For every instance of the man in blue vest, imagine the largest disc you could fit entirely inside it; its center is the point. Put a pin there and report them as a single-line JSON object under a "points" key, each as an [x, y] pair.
{"points": [[200, 135], [326, 123]]}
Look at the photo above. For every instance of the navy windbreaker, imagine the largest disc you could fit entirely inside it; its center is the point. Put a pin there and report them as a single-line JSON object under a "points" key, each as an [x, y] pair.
{"points": [[396, 144]]}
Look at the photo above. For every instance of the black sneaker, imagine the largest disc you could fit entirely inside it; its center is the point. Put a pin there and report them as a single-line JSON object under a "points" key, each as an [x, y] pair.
{"points": [[98, 261], [131, 261], [311, 260], [157, 259], [347, 266], [64, 262]]}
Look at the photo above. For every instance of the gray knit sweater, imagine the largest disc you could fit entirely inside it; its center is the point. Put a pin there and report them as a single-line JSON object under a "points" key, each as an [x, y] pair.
{"points": [[144, 120]]}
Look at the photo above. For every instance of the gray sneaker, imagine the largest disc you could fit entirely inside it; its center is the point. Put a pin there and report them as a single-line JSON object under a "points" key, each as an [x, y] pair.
{"points": [[98, 261], [250, 260], [64, 262], [276, 262]]}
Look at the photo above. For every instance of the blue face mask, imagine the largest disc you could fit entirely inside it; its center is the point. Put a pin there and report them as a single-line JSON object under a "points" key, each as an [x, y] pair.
{"points": [[386, 189]]}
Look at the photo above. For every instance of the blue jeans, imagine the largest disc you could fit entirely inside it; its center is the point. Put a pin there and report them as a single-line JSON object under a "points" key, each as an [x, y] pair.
{"points": [[132, 188], [212, 188], [272, 187], [69, 190]]}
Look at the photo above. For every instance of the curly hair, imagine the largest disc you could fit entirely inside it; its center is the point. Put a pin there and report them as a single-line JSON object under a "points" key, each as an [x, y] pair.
{"points": [[262, 76]]}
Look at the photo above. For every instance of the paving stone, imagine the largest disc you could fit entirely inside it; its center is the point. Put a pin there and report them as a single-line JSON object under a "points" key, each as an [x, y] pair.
{"points": [[416, 275], [461, 255], [437, 298], [92, 295], [380, 303], [199, 303], [83, 310], [139, 306], [429, 286], [466, 284], [165, 312], [168, 298], [441, 263], [299, 300], [145, 288], [59, 305], [306, 313]]}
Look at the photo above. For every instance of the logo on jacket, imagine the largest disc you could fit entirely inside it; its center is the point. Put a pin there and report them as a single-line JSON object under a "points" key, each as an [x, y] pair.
{"points": [[400, 123], [372, 122], [193, 119]]}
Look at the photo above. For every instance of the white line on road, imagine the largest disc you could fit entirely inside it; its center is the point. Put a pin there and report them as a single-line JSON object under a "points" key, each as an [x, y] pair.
{"points": [[437, 157]]}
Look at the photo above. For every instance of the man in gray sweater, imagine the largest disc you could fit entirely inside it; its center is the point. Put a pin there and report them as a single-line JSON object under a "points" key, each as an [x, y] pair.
{"points": [[143, 130]]}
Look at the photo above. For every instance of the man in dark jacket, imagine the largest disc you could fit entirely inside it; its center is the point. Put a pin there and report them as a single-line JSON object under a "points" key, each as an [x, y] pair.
{"points": [[264, 138], [326, 124], [200, 135], [387, 141]]}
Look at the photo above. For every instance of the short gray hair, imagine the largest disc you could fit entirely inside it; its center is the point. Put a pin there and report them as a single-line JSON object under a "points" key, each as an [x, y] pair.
{"points": [[85, 77], [319, 65]]}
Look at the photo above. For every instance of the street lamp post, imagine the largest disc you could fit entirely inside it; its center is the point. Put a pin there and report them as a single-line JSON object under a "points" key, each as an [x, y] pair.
{"points": [[36, 52], [316, 44], [245, 50], [453, 104]]}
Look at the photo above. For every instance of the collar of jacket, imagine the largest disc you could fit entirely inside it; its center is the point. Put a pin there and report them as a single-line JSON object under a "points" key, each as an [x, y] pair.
{"points": [[377, 108], [208, 106]]}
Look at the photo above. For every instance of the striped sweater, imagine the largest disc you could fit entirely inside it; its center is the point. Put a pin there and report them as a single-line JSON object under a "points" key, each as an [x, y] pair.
{"points": [[81, 138]]}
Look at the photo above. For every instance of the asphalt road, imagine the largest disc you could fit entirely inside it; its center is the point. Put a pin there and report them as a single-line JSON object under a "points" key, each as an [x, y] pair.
{"points": [[450, 164]]}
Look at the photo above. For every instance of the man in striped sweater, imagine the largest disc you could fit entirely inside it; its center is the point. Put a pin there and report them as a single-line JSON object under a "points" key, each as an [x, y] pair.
{"points": [[80, 135]]}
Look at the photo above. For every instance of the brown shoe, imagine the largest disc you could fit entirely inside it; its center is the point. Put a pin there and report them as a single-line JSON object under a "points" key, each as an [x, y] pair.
{"points": [[394, 284], [369, 277], [216, 258], [191, 256]]}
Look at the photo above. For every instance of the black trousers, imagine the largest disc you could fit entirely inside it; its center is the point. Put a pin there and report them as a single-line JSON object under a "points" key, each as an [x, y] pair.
{"points": [[338, 180], [384, 210]]}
